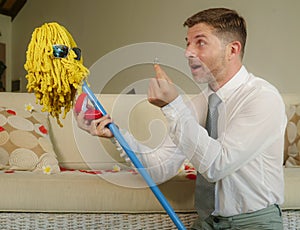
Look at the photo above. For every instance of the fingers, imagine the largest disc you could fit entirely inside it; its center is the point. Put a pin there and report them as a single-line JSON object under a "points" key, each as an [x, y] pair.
{"points": [[154, 93], [161, 90], [161, 81], [81, 122], [100, 128], [102, 122], [161, 74], [96, 127]]}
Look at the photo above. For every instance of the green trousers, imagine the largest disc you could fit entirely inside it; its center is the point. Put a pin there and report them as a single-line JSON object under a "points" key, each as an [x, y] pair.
{"points": [[268, 218]]}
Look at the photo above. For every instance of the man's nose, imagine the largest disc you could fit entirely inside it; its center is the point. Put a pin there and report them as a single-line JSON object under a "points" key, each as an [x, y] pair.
{"points": [[189, 53]]}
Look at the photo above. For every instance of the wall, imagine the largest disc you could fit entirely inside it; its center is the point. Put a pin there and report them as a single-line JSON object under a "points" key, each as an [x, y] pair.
{"points": [[102, 26], [5, 29]]}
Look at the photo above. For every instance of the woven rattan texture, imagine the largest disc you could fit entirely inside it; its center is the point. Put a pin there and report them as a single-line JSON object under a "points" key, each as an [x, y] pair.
{"points": [[49, 221]]}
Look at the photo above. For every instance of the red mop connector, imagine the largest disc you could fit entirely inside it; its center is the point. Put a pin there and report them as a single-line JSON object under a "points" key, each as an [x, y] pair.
{"points": [[81, 104]]}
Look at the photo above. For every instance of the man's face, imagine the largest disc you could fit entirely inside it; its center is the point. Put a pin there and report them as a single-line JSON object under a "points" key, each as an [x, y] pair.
{"points": [[205, 53]]}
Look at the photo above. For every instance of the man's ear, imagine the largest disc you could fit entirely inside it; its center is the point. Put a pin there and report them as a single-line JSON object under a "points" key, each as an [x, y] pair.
{"points": [[234, 50]]}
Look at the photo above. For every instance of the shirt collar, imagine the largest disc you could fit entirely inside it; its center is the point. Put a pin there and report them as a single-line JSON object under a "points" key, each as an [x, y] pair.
{"points": [[232, 85]]}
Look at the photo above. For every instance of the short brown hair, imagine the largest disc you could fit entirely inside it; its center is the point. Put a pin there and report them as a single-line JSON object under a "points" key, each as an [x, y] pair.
{"points": [[227, 23]]}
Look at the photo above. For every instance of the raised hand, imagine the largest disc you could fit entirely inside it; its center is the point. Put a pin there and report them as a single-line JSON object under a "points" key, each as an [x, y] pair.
{"points": [[161, 89]]}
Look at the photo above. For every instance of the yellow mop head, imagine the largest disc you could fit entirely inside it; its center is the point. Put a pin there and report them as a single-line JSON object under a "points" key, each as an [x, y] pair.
{"points": [[54, 80]]}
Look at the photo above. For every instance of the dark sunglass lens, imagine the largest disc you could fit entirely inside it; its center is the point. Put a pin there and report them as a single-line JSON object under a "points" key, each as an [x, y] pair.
{"points": [[77, 52], [60, 51]]}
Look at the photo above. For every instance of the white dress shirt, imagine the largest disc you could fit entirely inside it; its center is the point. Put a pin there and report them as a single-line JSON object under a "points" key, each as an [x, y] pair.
{"points": [[245, 160]]}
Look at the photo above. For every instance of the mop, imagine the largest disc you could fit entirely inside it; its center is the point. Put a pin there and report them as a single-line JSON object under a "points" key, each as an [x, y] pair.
{"points": [[56, 74]]}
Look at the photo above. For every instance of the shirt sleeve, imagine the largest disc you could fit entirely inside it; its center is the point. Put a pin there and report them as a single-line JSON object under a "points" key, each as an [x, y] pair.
{"points": [[254, 123], [162, 163], [190, 137]]}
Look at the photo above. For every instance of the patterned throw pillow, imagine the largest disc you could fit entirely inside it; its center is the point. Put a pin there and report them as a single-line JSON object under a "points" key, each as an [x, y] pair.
{"points": [[292, 137], [24, 141]]}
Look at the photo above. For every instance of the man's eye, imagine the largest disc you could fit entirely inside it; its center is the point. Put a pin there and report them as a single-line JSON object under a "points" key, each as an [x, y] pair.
{"points": [[201, 43]]}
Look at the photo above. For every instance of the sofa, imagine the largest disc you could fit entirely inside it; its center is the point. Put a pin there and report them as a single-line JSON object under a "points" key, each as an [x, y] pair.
{"points": [[85, 174]]}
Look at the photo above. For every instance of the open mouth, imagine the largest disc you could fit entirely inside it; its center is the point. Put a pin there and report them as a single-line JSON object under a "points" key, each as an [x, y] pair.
{"points": [[194, 64], [195, 67]]}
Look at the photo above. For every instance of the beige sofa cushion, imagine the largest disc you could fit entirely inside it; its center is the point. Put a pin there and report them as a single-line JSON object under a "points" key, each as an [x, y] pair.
{"points": [[73, 191], [291, 188], [79, 150], [292, 136], [63, 139], [24, 140]]}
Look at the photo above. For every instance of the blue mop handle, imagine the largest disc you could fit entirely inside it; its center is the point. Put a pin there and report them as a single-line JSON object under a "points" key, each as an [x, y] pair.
{"points": [[136, 162]]}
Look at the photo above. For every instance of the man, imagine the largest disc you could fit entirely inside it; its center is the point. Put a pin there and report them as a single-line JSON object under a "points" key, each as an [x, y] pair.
{"points": [[241, 152]]}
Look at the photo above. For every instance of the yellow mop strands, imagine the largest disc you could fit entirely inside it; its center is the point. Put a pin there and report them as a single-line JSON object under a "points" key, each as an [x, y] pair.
{"points": [[54, 80]]}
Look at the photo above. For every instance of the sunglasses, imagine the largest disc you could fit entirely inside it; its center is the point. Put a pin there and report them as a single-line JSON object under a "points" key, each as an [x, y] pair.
{"points": [[62, 51]]}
